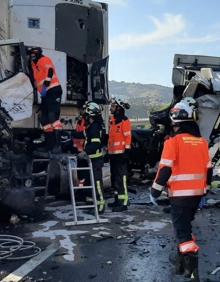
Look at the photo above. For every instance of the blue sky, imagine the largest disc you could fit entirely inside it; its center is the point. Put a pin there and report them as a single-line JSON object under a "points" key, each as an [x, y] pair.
{"points": [[144, 35]]}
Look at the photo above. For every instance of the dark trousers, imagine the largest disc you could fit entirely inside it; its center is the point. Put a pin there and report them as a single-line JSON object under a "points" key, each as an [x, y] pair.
{"points": [[50, 112], [119, 171], [97, 165], [50, 105], [183, 210]]}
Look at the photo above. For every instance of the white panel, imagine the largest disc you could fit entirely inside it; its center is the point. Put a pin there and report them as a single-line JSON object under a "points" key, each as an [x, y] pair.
{"points": [[44, 10], [44, 36], [4, 18]]}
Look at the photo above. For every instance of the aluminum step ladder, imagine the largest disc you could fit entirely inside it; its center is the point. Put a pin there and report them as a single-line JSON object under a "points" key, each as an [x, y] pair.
{"points": [[72, 170]]}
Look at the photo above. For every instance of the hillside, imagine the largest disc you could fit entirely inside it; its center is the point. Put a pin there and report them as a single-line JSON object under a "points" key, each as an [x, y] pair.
{"points": [[142, 97]]}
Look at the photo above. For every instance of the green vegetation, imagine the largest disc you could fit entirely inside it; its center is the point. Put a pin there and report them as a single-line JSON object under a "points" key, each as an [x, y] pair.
{"points": [[143, 98]]}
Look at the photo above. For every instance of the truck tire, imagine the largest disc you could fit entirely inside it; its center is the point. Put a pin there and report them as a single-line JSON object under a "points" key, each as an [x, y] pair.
{"points": [[58, 182]]}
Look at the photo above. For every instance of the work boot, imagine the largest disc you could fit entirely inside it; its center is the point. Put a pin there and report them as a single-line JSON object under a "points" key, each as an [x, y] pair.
{"points": [[116, 201], [191, 266], [119, 207], [177, 260], [179, 263], [113, 204]]}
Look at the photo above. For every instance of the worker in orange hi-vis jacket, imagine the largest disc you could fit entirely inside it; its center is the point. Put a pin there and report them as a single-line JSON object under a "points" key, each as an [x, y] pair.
{"points": [[48, 86], [185, 167], [119, 145]]}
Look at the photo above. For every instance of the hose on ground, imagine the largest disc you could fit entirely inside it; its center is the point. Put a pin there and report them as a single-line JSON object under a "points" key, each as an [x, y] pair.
{"points": [[15, 248]]}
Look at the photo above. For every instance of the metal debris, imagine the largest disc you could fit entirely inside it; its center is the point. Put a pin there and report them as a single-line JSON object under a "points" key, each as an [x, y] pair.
{"points": [[121, 237], [14, 219]]}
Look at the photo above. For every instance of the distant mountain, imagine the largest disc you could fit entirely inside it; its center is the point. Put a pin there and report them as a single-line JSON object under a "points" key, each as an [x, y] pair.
{"points": [[142, 97]]}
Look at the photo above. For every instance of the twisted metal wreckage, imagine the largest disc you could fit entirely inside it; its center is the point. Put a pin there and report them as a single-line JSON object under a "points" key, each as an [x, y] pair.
{"points": [[193, 76]]}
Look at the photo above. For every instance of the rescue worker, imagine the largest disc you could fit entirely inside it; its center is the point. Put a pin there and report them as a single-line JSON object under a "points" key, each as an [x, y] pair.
{"points": [[185, 167], [49, 88], [93, 147], [119, 145]]}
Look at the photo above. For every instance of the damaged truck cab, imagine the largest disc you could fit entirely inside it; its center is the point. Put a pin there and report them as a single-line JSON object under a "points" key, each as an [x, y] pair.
{"points": [[195, 76], [74, 34], [199, 77]]}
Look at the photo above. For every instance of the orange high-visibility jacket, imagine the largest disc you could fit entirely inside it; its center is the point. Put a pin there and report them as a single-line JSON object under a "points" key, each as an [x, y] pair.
{"points": [[188, 157], [40, 72], [119, 136], [79, 142], [81, 126]]}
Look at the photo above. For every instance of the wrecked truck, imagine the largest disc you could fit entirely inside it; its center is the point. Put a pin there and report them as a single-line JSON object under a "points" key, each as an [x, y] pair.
{"points": [[194, 76], [75, 35]]}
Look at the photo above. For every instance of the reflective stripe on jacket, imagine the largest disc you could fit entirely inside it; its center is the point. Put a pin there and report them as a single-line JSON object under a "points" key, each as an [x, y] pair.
{"points": [[40, 72], [119, 136], [188, 157], [188, 247]]}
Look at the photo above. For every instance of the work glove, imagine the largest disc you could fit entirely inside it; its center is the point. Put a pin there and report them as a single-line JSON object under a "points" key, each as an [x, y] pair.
{"points": [[46, 83], [43, 92], [153, 200]]}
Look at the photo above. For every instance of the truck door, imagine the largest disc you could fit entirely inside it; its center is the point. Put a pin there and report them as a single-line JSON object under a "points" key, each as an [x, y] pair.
{"points": [[95, 35], [79, 32], [99, 81], [71, 30]]}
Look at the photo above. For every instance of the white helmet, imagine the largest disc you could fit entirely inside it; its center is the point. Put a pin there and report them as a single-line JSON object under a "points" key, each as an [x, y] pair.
{"points": [[93, 109], [185, 110], [120, 103]]}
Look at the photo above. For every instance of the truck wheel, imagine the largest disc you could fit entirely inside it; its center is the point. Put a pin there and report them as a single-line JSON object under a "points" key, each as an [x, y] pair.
{"points": [[58, 182]]}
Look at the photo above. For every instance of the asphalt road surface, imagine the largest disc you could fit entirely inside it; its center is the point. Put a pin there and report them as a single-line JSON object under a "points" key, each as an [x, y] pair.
{"points": [[136, 245]]}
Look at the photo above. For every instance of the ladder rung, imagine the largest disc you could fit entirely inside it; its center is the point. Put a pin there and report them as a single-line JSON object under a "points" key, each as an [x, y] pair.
{"points": [[82, 187], [89, 221], [40, 160], [37, 188], [39, 174], [85, 207], [80, 168]]}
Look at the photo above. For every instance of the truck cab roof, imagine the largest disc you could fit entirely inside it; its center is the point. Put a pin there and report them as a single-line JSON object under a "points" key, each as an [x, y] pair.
{"points": [[10, 42]]}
